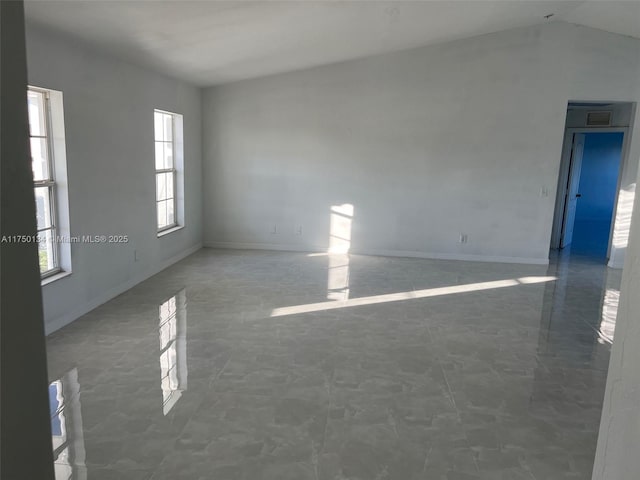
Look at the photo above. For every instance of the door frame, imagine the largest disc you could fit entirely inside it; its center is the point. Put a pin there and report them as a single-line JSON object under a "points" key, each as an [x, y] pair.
{"points": [[573, 186], [563, 178]]}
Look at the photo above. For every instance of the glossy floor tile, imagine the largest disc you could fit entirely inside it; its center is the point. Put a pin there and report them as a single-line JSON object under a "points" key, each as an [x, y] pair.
{"points": [[261, 365]]}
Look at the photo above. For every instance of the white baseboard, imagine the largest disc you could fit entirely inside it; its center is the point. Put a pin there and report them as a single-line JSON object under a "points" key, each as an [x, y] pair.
{"points": [[456, 256], [381, 253], [59, 322], [265, 246]]}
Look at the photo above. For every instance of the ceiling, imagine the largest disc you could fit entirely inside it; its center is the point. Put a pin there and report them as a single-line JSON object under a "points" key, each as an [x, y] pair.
{"points": [[214, 42]]}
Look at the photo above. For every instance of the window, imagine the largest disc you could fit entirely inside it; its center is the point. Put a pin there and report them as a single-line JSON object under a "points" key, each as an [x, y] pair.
{"points": [[44, 183], [166, 135], [48, 161]]}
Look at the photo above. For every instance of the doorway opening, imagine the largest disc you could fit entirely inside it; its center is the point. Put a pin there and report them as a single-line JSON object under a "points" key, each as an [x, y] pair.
{"points": [[593, 158]]}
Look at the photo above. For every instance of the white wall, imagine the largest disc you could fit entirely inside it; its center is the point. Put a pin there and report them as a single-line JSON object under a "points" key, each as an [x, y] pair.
{"points": [[108, 108], [617, 452], [426, 144]]}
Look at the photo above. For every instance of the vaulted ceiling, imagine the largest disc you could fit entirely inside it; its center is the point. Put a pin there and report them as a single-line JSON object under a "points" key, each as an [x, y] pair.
{"points": [[213, 42]]}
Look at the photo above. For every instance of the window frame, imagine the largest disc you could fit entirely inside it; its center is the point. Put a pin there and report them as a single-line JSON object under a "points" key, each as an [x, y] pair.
{"points": [[49, 183], [173, 171]]}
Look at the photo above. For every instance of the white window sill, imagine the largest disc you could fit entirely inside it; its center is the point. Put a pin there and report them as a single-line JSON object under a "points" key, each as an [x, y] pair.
{"points": [[170, 230], [53, 278]]}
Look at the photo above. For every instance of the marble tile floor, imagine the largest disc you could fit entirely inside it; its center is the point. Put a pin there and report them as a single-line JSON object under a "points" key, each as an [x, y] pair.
{"points": [[284, 366]]}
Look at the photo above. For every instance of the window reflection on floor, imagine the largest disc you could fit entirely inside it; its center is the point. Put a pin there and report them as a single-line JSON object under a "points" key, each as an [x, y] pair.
{"points": [[609, 314], [338, 281], [173, 349], [66, 427]]}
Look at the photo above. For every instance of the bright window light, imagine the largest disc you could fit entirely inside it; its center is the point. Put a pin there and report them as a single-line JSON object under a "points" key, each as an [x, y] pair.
{"points": [[67, 434], [622, 223], [173, 346], [411, 295], [44, 181], [168, 145], [609, 314], [338, 277], [340, 228]]}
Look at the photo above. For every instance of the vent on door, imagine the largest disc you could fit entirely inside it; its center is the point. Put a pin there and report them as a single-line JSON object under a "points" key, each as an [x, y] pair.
{"points": [[598, 119]]}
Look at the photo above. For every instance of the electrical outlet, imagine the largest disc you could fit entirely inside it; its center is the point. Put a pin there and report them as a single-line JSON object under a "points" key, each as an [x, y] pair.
{"points": [[298, 230], [274, 229], [463, 238]]}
